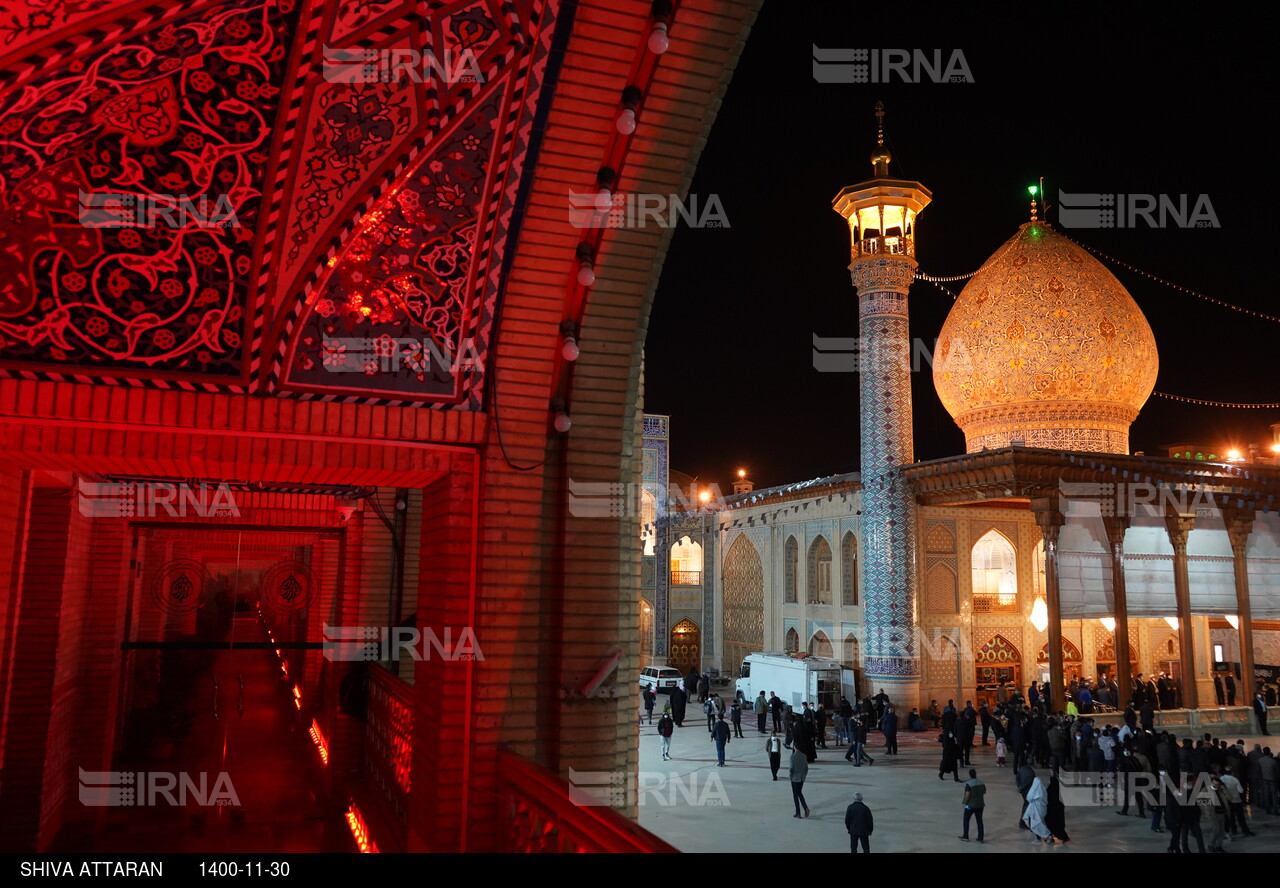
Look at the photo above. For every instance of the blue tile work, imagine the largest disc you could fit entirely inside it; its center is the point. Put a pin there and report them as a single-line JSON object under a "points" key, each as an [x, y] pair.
{"points": [[825, 527], [888, 508]]}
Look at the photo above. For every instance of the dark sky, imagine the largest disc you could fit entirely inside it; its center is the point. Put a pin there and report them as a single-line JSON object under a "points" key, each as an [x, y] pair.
{"points": [[1150, 104]]}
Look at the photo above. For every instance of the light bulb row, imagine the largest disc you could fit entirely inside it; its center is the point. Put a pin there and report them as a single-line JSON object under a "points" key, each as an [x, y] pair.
{"points": [[625, 123]]}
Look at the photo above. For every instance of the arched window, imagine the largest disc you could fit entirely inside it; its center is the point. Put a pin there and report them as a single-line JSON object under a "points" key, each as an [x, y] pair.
{"points": [[648, 521], [820, 572], [995, 574], [686, 563], [793, 640], [791, 567], [850, 658], [849, 563], [820, 645]]}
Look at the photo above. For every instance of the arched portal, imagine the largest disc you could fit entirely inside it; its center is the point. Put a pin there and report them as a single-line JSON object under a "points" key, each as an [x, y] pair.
{"points": [[998, 664], [686, 646], [743, 608]]}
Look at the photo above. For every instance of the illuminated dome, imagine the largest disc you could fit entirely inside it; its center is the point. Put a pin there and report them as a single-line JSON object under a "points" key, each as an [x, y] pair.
{"points": [[1044, 347]]}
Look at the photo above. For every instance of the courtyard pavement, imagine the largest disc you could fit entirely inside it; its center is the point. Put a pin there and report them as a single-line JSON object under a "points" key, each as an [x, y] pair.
{"points": [[743, 810]]}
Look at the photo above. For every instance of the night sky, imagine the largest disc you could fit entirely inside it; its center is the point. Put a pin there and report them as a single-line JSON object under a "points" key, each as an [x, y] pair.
{"points": [[1139, 105]]}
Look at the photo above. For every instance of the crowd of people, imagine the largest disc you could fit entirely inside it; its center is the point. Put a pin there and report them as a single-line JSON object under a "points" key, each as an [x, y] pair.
{"points": [[1193, 788]]}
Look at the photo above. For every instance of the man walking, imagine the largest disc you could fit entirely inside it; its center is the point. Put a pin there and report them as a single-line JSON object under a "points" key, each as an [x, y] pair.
{"points": [[974, 800], [1260, 710], [735, 715], [775, 707], [858, 821], [773, 746], [650, 698], [799, 771], [666, 727], [761, 708], [984, 714], [720, 733]]}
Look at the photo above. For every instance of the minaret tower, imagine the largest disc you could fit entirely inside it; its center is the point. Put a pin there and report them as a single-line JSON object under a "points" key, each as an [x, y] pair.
{"points": [[882, 214]]}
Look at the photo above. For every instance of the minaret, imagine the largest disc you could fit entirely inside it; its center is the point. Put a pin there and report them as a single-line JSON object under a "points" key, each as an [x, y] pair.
{"points": [[882, 214]]}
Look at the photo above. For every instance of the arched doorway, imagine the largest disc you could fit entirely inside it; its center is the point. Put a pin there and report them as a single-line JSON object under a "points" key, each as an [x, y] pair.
{"points": [[1072, 663], [820, 645], [1105, 662], [743, 631], [996, 663], [793, 641], [686, 646]]}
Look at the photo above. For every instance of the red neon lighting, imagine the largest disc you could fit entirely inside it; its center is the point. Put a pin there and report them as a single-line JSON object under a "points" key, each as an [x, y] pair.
{"points": [[297, 697], [360, 831], [317, 737]]}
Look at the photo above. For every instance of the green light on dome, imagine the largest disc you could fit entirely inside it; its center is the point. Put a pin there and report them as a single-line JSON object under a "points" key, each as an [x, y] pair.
{"points": [[1032, 190]]}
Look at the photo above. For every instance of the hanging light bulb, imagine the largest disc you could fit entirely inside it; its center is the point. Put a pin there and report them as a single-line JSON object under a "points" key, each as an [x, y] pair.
{"points": [[569, 347], [1040, 615], [1108, 623], [604, 182], [1173, 622], [1234, 621], [658, 40], [626, 123], [586, 264], [561, 419]]}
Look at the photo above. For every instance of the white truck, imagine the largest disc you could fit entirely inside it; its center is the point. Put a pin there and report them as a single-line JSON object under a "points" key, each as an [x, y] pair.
{"points": [[795, 678]]}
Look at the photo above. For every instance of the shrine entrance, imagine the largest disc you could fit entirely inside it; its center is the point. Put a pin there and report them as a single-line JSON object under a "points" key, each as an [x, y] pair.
{"points": [[997, 663], [686, 647]]}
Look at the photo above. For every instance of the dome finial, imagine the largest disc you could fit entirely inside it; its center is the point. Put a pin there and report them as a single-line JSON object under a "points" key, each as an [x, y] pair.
{"points": [[880, 156]]}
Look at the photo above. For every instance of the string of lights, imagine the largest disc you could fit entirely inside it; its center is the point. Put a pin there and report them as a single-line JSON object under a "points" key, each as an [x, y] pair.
{"points": [[1206, 403], [1181, 289], [937, 283]]}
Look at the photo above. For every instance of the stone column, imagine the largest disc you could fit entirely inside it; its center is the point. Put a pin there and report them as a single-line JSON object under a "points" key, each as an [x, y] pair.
{"points": [[1239, 524], [1179, 527], [1116, 527], [1050, 519]]}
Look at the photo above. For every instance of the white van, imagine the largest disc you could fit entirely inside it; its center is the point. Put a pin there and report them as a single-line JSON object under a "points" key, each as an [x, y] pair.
{"points": [[661, 679]]}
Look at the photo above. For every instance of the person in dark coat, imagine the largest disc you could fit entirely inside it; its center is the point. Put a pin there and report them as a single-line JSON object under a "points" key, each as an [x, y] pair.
{"points": [[984, 715], [949, 717], [950, 757], [1056, 818], [1231, 689], [650, 698], [1219, 690], [859, 823], [1260, 710], [721, 735], [775, 709], [890, 728], [1148, 714], [691, 683], [678, 700]]}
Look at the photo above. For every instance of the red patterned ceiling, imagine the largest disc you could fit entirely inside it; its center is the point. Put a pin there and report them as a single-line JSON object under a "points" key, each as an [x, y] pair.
{"points": [[316, 228]]}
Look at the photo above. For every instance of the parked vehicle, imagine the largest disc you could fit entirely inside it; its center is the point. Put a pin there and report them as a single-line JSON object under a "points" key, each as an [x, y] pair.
{"points": [[661, 679], [795, 678]]}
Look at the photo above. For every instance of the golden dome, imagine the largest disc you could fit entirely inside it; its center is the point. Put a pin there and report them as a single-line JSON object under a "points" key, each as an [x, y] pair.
{"points": [[1045, 347]]}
